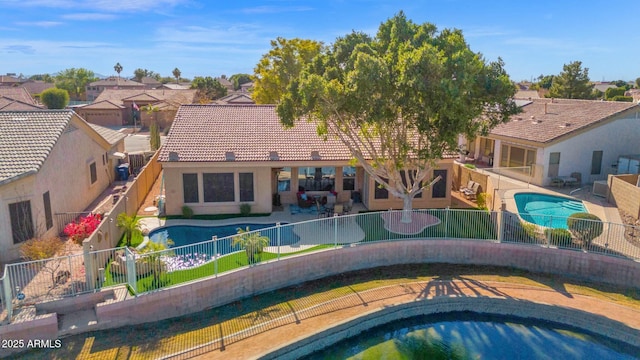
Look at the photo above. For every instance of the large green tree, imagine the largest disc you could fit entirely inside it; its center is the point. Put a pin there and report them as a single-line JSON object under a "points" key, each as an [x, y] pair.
{"points": [[400, 100], [572, 83], [55, 98], [139, 73], [280, 66], [75, 81], [208, 89]]}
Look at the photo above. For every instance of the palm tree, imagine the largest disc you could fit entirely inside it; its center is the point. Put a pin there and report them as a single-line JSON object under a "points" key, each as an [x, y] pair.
{"points": [[153, 254], [252, 243], [130, 226], [118, 69], [176, 74]]}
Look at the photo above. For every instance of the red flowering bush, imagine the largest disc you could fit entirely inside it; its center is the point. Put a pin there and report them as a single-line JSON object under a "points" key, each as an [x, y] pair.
{"points": [[78, 231]]}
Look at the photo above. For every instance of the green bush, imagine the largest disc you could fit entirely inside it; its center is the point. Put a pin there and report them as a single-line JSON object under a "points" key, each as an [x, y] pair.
{"points": [[481, 200], [469, 166], [187, 212], [585, 227], [245, 209], [558, 237], [622, 98]]}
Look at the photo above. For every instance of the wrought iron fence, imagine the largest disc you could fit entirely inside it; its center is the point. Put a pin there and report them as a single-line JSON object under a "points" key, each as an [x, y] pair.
{"points": [[157, 267], [62, 219]]}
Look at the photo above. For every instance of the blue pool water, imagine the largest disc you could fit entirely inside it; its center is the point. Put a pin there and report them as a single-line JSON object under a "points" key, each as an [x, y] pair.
{"points": [[547, 210], [464, 336]]}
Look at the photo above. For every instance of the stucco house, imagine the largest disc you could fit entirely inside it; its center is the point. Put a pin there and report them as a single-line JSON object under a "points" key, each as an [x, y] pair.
{"points": [[19, 94], [217, 157], [51, 161], [561, 137], [115, 107], [95, 88]]}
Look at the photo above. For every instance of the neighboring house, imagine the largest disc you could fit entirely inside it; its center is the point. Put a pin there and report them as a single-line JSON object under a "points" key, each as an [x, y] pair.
{"points": [[217, 157], [226, 83], [105, 113], [19, 94], [603, 86], [36, 87], [633, 93], [10, 80], [171, 86], [246, 87], [116, 107], [150, 83], [96, 88], [51, 161], [8, 104], [237, 98], [560, 137]]}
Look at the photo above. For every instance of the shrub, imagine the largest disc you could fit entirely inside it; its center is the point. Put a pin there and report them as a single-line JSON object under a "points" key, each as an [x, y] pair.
{"points": [[558, 237], [245, 209], [481, 200], [187, 212], [470, 166], [585, 227], [78, 231]]}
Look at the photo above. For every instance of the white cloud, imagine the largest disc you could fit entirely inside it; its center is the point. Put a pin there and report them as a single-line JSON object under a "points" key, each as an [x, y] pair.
{"points": [[115, 6], [88, 16], [44, 24]]}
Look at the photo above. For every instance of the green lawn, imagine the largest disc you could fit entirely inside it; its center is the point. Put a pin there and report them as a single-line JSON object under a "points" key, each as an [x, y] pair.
{"points": [[469, 224]]}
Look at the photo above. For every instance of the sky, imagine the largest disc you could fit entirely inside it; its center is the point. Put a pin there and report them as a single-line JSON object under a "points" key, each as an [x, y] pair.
{"points": [[213, 38]]}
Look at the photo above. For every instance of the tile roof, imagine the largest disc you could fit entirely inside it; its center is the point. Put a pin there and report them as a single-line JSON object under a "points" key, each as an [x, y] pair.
{"points": [[27, 138], [175, 86], [102, 105], [17, 93], [8, 104], [236, 98], [112, 136], [206, 132], [545, 120], [36, 87], [116, 81], [175, 96]]}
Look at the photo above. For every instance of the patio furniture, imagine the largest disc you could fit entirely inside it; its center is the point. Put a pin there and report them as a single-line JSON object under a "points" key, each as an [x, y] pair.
{"points": [[562, 181], [468, 187], [305, 201], [338, 209], [348, 206], [322, 211], [472, 193]]}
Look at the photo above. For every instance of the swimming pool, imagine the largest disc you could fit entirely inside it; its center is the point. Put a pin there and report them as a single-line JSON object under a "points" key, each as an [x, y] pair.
{"points": [[186, 256], [474, 336], [547, 210]]}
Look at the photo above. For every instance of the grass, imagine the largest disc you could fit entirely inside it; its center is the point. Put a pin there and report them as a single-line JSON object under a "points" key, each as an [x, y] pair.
{"points": [[169, 336], [225, 263], [459, 224]]}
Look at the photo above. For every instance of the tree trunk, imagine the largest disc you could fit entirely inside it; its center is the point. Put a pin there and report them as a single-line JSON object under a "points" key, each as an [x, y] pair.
{"points": [[407, 208]]}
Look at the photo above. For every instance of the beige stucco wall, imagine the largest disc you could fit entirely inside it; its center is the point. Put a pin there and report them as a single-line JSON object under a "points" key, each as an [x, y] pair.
{"points": [[175, 199], [427, 201], [65, 174], [265, 277], [102, 117]]}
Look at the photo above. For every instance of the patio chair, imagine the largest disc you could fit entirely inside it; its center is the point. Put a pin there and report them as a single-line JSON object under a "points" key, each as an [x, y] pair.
{"points": [[338, 209], [348, 206], [468, 187], [322, 211], [473, 192], [305, 201]]}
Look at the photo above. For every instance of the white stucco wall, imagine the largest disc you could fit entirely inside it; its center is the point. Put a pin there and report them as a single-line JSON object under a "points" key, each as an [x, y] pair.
{"points": [[65, 174], [615, 138]]}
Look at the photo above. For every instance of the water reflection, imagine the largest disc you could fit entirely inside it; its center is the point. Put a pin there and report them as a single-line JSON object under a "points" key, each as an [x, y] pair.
{"points": [[471, 336]]}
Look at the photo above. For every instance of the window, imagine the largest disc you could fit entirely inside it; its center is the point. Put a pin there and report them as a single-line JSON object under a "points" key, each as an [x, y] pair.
{"points": [[284, 179], [218, 187], [94, 172], [514, 156], [486, 146], [439, 189], [21, 221], [596, 162], [380, 192], [412, 174], [246, 186], [317, 178], [190, 188], [48, 219], [348, 178]]}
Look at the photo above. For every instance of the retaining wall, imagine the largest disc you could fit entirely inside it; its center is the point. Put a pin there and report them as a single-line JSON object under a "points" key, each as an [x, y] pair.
{"points": [[229, 287]]}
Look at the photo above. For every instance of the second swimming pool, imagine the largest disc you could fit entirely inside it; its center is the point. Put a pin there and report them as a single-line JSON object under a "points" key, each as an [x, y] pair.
{"points": [[547, 210]]}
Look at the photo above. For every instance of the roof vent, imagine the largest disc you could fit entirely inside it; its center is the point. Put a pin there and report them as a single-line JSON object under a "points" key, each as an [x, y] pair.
{"points": [[564, 125], [315, 155], [273, 156], [230, 156], [173, 156]]}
